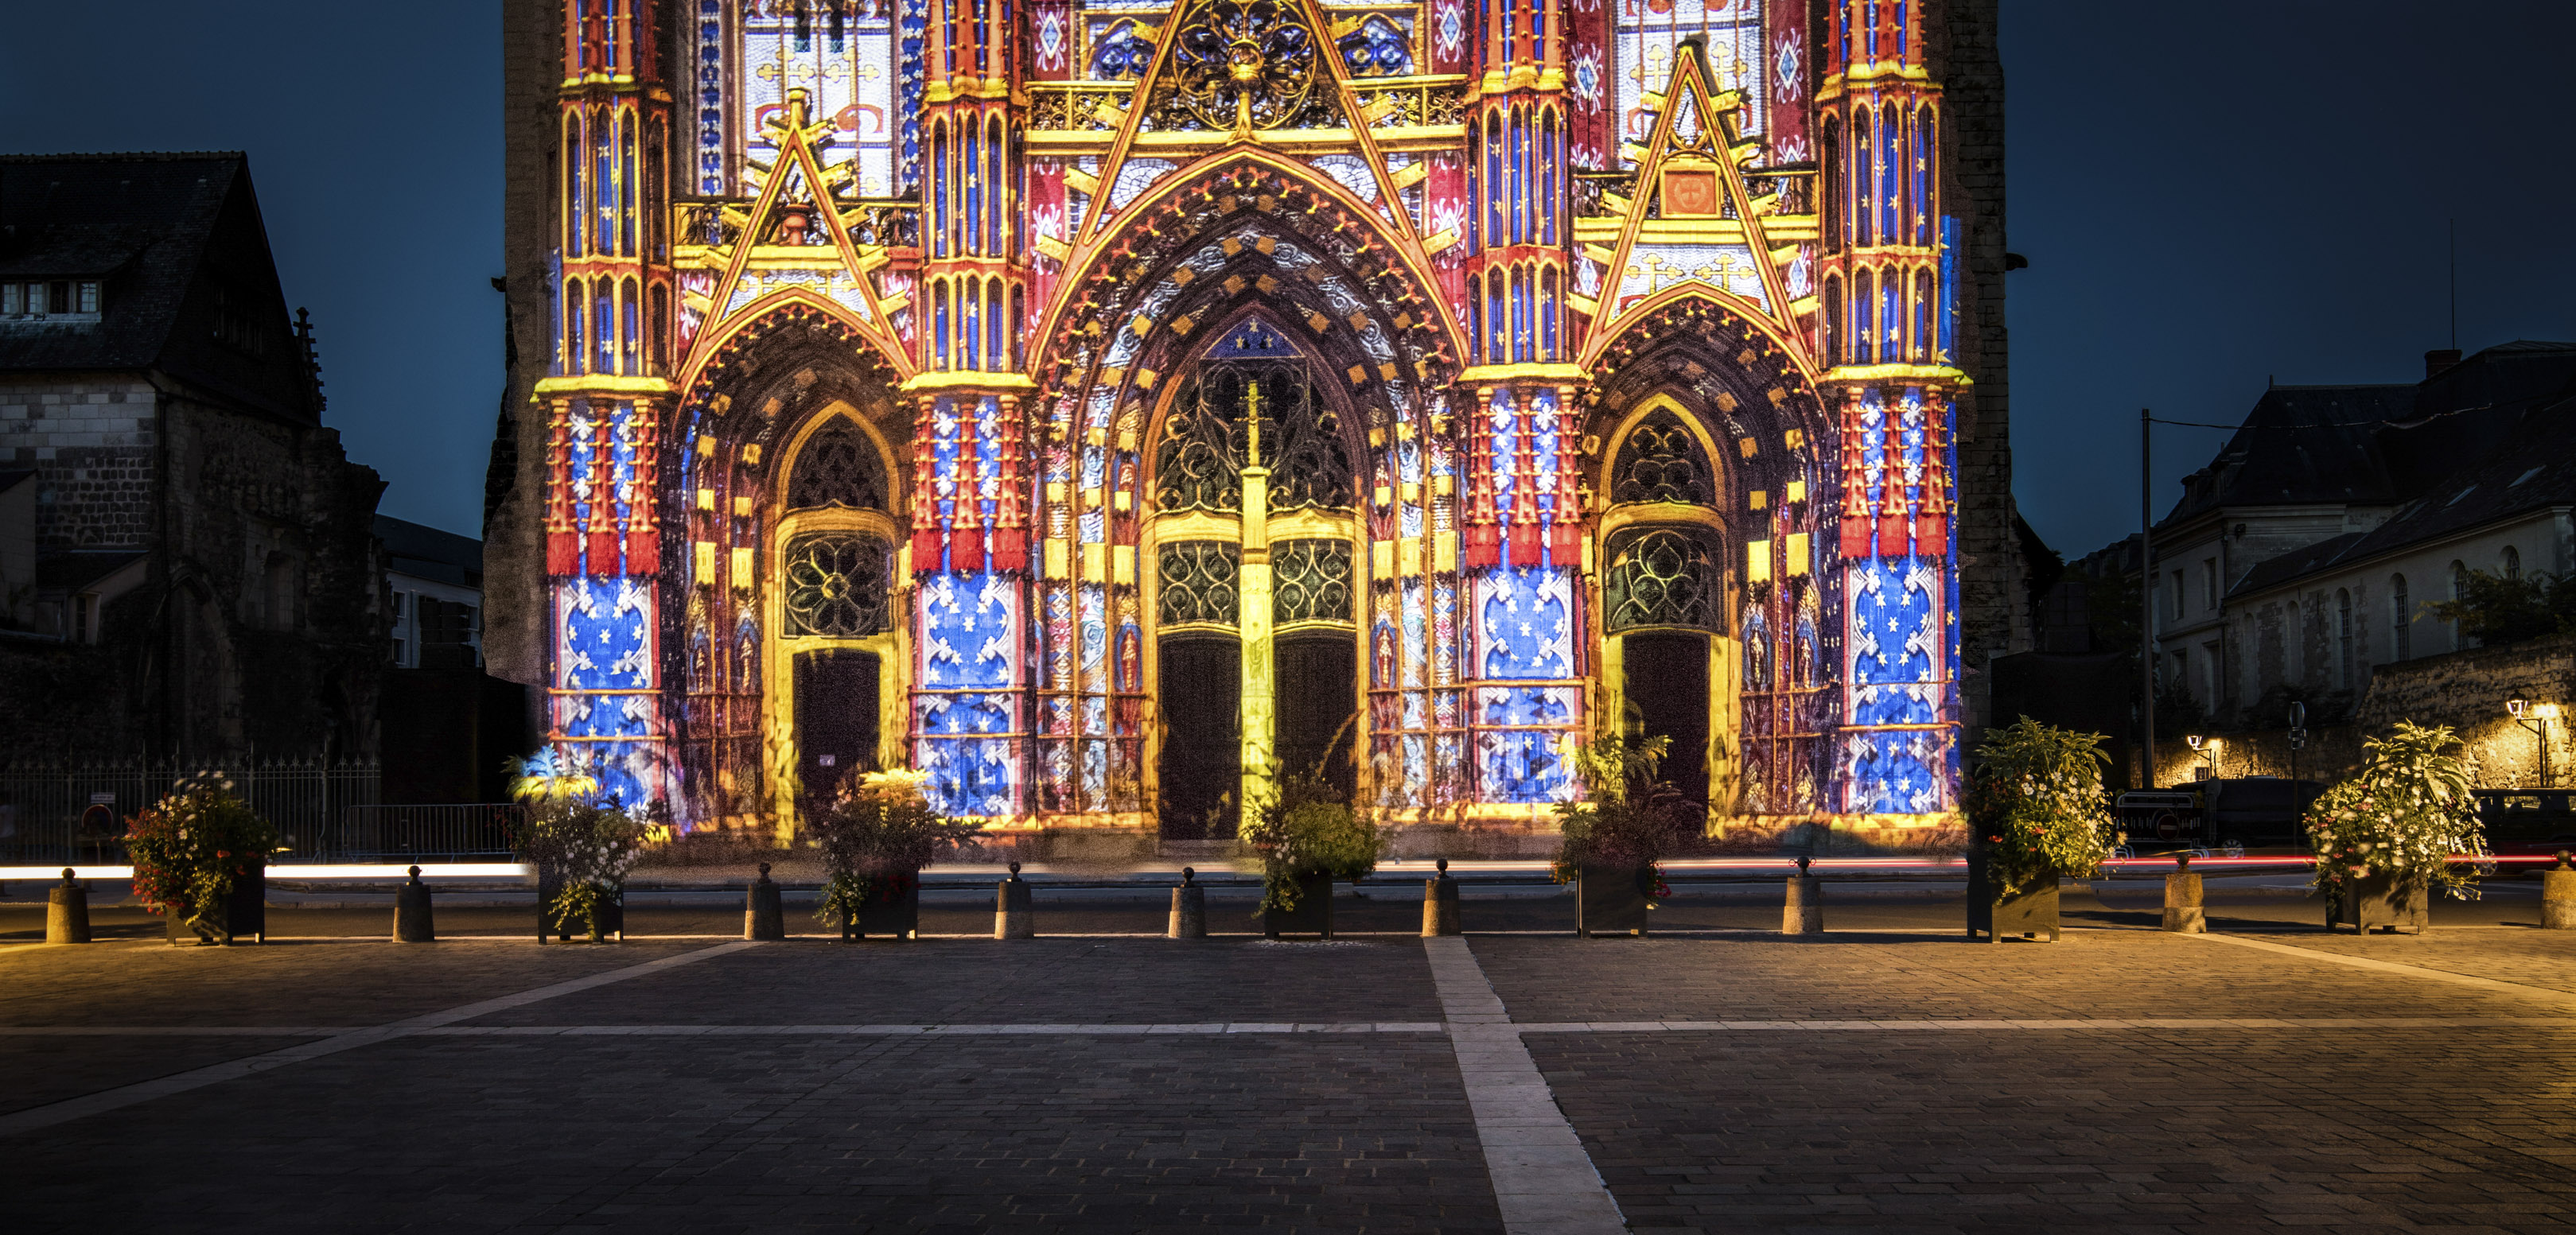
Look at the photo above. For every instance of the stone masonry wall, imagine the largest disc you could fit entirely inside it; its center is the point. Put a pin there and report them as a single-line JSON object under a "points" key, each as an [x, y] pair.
{"points": [[515, 619], [1992, 622], [89, 437], [2465, 691]]}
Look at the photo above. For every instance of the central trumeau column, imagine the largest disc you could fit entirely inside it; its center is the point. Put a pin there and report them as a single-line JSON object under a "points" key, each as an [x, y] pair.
{"points": [[1253, 620]]}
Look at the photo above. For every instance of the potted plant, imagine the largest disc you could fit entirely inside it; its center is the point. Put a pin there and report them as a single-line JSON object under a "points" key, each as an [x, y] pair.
{"points": [[582, 845], [1612, 844], [2036, 815], [200, 858], [1307, 836], [2384, 838], [876, 834]]}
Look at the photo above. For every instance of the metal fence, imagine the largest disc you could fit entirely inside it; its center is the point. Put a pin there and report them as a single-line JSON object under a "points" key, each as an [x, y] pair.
{"points": [[454, 832], [76, 813]]}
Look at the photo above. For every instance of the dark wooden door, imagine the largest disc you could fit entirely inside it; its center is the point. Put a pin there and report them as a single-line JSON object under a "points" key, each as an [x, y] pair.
{"points": [[1201, 771], [1314, 679], [1668, 696], [836, 718]]}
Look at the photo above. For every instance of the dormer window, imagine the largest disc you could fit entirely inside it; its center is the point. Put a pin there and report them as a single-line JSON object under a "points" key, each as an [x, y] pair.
{"points": [[49, 300]]}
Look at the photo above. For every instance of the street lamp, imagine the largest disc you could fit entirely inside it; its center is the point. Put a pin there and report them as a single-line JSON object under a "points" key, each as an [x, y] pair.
{"points": [[2198, 742], [2518, 709]]}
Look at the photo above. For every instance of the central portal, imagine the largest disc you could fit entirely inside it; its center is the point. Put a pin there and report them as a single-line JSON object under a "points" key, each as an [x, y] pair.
{"points": [[1254, 536]]}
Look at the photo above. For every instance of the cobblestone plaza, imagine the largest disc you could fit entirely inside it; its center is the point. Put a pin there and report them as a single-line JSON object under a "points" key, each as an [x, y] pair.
{"points": [[1886, 1074]]}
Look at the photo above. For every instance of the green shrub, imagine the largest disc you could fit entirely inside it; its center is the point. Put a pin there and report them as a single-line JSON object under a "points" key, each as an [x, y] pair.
{"points": [[189, 849], [1306, 829], [2036, 804], [2405, 813], [1628, 818], [875, 835]]}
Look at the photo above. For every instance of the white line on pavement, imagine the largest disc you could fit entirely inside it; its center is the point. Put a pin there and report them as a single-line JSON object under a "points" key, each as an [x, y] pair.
{"points": [[39, 1117], [1544, 1182], [2415, 971], [1210, 1028]]}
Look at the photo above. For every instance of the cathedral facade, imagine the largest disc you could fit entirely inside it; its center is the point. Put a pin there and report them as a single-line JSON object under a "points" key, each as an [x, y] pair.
{"points": [[1108, 409]]}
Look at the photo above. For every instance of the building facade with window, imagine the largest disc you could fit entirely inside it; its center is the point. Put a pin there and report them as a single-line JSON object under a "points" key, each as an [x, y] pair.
{"points": [[2315, 545], [1108, 409], [433, 596], [203, 581]]}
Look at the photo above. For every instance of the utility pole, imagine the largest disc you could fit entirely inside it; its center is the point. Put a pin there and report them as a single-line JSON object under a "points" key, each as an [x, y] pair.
{"points": [[2146, 603]]}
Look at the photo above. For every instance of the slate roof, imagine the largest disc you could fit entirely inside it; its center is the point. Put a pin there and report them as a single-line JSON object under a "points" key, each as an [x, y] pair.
{"points": [[140, 221], [427, 553], [2295, 563], [2300, 445], [2527, 464]]}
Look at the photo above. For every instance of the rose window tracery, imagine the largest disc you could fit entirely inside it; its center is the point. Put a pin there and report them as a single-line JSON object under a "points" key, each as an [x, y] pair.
{"points": [[836, 586], [1661, 577], [1244, 64]]}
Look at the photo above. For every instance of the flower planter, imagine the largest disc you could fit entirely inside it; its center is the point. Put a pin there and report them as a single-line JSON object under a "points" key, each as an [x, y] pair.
{"points": [[892, 914], [2025, 914], [1313, 914], [1611, 900], [612, 910], [244, 912], [2382, 902]]}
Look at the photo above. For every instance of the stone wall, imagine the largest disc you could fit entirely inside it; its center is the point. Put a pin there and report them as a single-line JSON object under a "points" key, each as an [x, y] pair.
{"points": [[2465, 691], [515, 620], [1993, 621], [89, 437]]}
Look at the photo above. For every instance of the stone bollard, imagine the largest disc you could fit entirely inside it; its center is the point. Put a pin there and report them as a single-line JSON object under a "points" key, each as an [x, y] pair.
{"points": [[1012, 916], [2183, 913], [67, 911], [1440, 904], [762, 918], [411, 912], [1802, 909], [2558, 896], [1189, 908]]}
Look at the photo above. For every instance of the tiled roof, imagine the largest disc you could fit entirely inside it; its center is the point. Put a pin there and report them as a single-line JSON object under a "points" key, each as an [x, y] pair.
{"points": [[140, 221], [2301, 444]]}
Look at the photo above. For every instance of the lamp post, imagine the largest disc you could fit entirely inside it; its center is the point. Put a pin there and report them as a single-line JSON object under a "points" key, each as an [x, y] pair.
{"points": [[2543, 713], [2196, 741], [2298, 739]]}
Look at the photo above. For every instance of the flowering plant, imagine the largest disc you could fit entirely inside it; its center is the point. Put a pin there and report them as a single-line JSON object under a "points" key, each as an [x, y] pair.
{"points": [[1306, 829], [589, 841], [876, 834], [191, 847], [2406, 814], [1628, 818], [2037, 806]]}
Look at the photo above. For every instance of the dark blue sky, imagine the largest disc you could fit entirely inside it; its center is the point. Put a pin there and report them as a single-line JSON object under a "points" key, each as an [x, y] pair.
{"points": [[2210, 192]]}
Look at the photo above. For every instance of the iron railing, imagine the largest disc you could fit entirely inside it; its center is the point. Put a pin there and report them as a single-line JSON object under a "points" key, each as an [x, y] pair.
{"points": [[76, 813]]}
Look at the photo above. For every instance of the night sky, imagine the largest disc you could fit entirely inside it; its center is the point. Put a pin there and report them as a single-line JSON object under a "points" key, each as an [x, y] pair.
{"points": [[2210, 193]]}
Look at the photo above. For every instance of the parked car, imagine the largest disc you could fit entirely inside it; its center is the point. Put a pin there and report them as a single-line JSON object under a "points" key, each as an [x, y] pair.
{"points": [[2528, 823], [2215, 813]]}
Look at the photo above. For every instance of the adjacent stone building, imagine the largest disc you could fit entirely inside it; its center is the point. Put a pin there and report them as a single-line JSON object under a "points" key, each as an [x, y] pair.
{"points": [[201, 578]]}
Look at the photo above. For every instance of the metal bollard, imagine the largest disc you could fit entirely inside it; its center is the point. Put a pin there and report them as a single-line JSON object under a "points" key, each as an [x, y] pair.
{"points": [[1802, 907], [1189, 908], [2183, 913], [67, 911], [762, 918], [2558, 896], [1012, 916], [411, 912], [1440, 904]]}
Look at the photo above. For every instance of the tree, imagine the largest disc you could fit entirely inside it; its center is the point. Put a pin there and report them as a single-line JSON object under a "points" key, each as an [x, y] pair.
{"points": [[2497, 610]]}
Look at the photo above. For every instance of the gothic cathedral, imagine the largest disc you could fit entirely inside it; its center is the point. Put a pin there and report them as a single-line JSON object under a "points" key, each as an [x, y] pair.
{"points": [[1109, 408]]}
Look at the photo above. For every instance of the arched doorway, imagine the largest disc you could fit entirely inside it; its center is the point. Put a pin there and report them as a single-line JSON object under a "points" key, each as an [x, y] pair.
{"points": [[831, 600], [1252, 537], [1664, 592]]}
